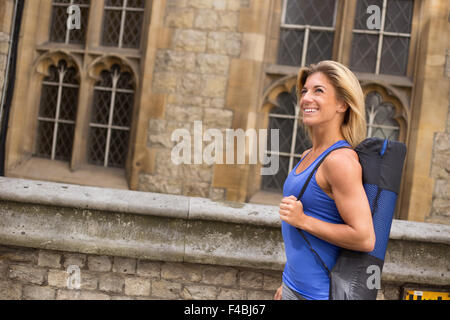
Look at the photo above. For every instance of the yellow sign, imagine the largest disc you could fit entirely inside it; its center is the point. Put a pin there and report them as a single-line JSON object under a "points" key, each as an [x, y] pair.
{"points": [[425, 295]]}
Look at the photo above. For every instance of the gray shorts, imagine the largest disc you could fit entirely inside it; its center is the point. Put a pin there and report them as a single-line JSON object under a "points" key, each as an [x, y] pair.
{"points": [[289, 294]]}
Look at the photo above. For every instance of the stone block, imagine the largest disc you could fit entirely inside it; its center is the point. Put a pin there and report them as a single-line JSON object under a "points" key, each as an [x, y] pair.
{"points": [[137, 286], [189, 40], [181, 271], [111, 283], [38, 293], [166, 289], [199, 292], [10, 290], [57, 278], [251, 280], [231, 294], [49, 259], [27, 274], [164, 82], [220, 276], [206, 19], [175, 61], [99, 263], [179, 18], [228, 43], [149, 269], [124, 265], [208, 63], [76, 259]]}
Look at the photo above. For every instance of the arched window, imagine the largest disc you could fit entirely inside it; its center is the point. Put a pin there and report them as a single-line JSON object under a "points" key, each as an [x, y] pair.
{"points": [[57, 113], [111, 118], [293, 138], [380, 117]]}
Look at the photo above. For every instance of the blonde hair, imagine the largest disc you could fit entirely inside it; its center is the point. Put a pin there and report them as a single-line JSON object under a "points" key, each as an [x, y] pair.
{"points": [[348, 89]]}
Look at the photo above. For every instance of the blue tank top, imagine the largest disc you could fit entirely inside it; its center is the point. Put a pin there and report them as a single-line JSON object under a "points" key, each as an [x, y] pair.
{"points": [[303, 271]]}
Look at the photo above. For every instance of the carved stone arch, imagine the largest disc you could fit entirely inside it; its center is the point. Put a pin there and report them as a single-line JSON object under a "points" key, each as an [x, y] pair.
{"points": [[52, 58], [271, 94], [106, 62], [397, 99]]}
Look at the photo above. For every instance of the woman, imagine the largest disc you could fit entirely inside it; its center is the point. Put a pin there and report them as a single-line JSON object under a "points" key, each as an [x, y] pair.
{"points": [[334, 211]]}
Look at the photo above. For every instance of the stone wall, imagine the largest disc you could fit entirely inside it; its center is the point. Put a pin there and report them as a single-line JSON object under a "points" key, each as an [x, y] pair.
{"points": [[140, 245], [193, 73], [440, 170], [28, 273]]}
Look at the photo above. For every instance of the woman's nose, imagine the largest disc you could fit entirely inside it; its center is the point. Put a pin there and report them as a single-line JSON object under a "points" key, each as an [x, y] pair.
{"points": [[306, 98]]}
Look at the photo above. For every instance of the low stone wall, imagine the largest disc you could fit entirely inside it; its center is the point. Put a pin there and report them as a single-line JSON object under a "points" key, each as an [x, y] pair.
{"points": [[130, 244]]}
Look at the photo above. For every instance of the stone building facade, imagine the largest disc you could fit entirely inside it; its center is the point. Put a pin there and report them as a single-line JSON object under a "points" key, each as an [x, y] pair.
{"points": [[225, 64]]}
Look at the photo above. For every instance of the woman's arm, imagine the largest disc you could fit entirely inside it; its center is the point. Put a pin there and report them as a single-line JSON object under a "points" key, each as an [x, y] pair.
{"points": [[344, 175]]}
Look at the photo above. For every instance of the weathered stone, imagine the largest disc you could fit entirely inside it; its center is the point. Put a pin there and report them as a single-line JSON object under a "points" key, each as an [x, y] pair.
{"points": [[251, 280], [197, 173], [213, 63], [180, 18], [149, 269], [219, 119], [57, 278], [228, 21], [200, 4], [183, 114], [199, 292], [183, 272], [80, 295], [76, 259], [137, 286], [189, 40], [231, 294], [178, 61], [27, 274], [99, 263], [228, 43], [166, 289], [159, 184], [10, 290], [191, 84], [164, 82], [221, 276], [260, 295], [206, 19], [124, 265], [196, 189], [49, 259], [111, 283], [38, 293], [215, 86]]}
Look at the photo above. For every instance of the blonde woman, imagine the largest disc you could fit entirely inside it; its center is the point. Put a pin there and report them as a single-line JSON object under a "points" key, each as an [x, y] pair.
{"points": [[334, 211]]}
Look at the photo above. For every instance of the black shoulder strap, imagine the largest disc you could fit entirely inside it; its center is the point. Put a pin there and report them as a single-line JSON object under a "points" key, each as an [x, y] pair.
{"points": [[300, 196]]}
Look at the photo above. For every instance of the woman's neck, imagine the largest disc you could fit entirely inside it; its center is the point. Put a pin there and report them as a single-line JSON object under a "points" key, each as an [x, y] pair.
{"points": [[323, 139]]}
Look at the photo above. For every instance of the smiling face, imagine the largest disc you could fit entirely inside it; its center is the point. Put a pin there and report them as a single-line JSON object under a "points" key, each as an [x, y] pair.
{"points": [[319, 103]]}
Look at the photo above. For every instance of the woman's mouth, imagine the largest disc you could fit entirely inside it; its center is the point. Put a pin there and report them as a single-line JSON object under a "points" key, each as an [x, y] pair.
{"points": [[309, 110]]}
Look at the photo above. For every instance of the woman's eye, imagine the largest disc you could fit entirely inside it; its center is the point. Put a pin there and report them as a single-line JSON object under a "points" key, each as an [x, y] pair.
{"points": [[302, 92], [319, 90]]}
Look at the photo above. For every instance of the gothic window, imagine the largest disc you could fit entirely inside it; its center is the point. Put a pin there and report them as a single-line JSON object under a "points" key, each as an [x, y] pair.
{"points": [[307, 31], [59, 31], [380, 118], [382, 50], [57, 113], [122, 23], [293, 139], [111, 118]]}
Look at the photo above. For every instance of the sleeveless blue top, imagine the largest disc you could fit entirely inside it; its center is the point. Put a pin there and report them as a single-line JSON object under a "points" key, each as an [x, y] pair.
{"points": [[303, 272]]}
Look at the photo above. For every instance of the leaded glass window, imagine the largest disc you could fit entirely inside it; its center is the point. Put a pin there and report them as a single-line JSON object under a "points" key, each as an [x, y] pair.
{"points": [[111, 118], [380, 117], [57, 113], [293, 139], [307, 31], [384, 50], [59, 32], [122, 23]]}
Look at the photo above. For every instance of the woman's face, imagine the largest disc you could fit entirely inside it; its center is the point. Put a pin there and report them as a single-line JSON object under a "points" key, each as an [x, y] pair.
{"points": [[318, 101]]}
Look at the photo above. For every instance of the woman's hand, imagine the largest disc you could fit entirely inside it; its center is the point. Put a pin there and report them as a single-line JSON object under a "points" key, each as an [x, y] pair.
{"points": [[278, 293], [291, 211]]}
